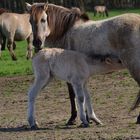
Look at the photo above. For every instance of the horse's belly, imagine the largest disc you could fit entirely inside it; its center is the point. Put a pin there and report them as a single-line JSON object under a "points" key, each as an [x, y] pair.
{"points": [[20, 37]]}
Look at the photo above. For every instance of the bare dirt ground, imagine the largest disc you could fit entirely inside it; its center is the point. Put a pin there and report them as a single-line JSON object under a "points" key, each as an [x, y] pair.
{"points": [[112, 96]]}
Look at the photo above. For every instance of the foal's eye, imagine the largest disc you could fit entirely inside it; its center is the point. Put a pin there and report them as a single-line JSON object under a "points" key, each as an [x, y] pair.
{"points": [[43, 20]]}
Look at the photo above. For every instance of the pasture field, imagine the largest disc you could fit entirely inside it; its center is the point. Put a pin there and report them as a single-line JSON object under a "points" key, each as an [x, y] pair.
{"points": [[112, 96]]}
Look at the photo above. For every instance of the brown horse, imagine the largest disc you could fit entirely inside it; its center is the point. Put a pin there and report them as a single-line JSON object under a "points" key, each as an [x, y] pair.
{"points": [[119, 36], [102, 10], [16, 27]]}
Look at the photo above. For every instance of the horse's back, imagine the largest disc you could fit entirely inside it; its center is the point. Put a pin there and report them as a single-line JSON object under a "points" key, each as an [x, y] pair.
{"points": [[104, 36], [18, 24]]}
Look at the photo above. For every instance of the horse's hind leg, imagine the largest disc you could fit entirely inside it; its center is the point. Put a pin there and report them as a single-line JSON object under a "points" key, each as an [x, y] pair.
{"points": [[73, 105], [78, 88], [10, 48], [133, 66], [29, 47], [89, 108]]}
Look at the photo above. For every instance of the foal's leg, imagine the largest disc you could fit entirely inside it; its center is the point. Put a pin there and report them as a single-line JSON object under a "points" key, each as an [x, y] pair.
{"points": [[89, 108], [41, 81], [78, 88], [29, 47], [73, 105]]}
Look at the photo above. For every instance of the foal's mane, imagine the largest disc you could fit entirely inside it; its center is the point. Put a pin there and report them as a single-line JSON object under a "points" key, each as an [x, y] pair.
{"points": [[60, 19]]}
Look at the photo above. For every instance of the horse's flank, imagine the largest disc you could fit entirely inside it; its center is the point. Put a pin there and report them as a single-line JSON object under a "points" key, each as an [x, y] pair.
{"points": [[16, 27]]}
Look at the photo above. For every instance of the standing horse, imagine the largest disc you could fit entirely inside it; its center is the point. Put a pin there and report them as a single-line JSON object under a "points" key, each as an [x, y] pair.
{"points": [[2, 10], [77, 68], [16, 27], [67, 29], [102, 10]]}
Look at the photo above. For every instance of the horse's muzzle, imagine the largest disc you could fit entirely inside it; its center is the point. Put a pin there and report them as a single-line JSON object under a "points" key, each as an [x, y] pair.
{"points": [[37, 43]]}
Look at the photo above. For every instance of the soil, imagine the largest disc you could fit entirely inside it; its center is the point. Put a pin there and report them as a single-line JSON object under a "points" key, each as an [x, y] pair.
{"points": [[112, 96]]}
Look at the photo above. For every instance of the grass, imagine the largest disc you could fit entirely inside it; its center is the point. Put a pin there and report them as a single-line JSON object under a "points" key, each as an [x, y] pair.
{"points": [[23, 66], [20, 67], [114, 12]]}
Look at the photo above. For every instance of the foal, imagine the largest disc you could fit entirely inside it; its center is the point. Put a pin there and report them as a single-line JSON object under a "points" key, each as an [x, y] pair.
{"points": [[73, 67]]}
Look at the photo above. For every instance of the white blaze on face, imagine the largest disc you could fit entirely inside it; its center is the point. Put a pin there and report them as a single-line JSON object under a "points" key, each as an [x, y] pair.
{"points": [[43, 27]]}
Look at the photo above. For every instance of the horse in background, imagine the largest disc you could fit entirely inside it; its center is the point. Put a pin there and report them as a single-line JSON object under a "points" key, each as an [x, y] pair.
{"points": [[119, 36], [16, 27], [2, 10], [101, 10]]}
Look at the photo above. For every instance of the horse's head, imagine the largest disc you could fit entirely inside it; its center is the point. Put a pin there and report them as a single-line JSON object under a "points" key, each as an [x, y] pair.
{"points": [[52, 21], [39, 22]]}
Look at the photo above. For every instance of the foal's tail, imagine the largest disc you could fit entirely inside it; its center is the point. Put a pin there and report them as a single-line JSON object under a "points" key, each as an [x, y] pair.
{"points": [[136, 103]]}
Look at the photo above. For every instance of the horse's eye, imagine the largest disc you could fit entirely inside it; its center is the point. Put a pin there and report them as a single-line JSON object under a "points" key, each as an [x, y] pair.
{"points": [[43, 20]]}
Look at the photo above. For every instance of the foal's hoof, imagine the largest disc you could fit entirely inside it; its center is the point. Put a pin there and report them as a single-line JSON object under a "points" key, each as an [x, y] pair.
{"points": [[34, 127], [138, 120], [82, 125]]}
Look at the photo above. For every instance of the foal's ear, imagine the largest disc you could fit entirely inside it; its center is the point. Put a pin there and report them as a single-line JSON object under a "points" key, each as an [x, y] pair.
{"points": [[46, 6], [28, 6]]}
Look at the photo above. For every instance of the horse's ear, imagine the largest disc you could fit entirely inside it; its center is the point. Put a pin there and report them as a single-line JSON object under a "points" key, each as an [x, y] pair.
{"points": [[46, 6], [108, 61], [28, 6]]}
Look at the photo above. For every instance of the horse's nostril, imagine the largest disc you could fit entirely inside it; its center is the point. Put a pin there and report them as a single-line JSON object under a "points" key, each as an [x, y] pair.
{"points": [[37, 43]]}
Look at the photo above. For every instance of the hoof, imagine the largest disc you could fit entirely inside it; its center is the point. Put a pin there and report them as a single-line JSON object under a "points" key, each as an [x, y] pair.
{"points": [[35, 127], [71, 122], [82, 125], [14, 58], [138, 120]]}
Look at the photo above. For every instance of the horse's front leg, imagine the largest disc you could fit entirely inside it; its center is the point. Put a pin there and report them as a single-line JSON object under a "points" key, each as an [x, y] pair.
{"points": [[29, 47], [71, 121], [10, 48]]}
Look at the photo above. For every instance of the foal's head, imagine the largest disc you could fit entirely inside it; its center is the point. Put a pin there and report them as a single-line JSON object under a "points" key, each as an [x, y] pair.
{"points": [[39, 22]]}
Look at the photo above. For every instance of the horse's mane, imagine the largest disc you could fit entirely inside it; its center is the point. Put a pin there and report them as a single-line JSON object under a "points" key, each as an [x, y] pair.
{"points": [[2, 10], [60, 19]]}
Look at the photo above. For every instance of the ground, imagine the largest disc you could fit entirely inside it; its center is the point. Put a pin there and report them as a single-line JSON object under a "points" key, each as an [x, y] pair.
{"points": [[112, 96]]}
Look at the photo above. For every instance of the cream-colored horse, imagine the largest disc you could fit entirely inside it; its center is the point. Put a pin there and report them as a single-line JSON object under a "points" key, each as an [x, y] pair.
{"points": [[72, 67], [101, 10], [16, 27]]}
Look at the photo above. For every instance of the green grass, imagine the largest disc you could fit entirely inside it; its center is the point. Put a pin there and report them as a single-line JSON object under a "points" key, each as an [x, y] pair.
{"points": [[23, 66], [20, 67], [114, 12]]}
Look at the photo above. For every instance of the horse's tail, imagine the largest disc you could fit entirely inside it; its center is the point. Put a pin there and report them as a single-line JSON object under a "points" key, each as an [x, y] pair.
{"points": [[136, 103], [106, 12]]}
